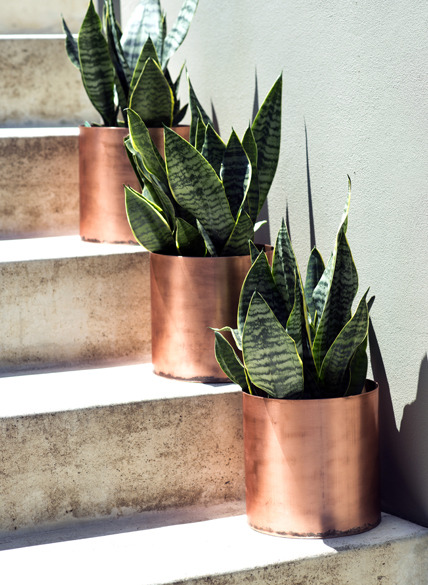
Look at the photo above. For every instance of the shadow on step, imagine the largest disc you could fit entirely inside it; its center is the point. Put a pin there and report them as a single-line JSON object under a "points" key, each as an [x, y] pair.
{"points": [[107, 526]]}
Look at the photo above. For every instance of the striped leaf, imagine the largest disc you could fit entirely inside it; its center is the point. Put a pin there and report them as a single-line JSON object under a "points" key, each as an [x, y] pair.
{"points": [[71, 45], [197, 188], [314, 272], [254, 252], [148, 225], [188, 240], [267, 134], [358, 370], [259, 278], [341, 293], [213, 148], [284, 267], [229, 361], [250, 147], [196, 110], [335, 366], [242, 233], [133, 159], [179, 30], [161, 199], [134, 36], [147, 52], [270, 355], [152, 97], [235, 173], [211, 249], [117, 56], [200, 134], [96, 67]]}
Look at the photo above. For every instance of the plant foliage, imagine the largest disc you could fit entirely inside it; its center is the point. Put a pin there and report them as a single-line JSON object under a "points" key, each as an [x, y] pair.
{"points": [[299, 341], [204, 199], [130, 69]]}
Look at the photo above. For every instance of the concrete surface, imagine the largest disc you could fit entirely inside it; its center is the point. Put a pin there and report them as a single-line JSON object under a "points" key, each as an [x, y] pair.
{"points": [[227, 552], [39, 182], [113, 442], [64, 302], [41, 87], [21, 16]]}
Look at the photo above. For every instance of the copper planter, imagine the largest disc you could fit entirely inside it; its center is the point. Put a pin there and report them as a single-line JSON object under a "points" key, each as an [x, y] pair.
{"points": [[188, 296], [104, 169], [312, 466]]}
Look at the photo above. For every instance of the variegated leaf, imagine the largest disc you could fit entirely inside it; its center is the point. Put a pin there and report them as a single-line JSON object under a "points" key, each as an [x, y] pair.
{"points": [[148, 225], [147, 52], [250, 147], [267, 134], [254, 251], [179, 30], [229, 361], [235, 173], [242, 233], [117, 56], [196, 110], [71, 45], [96, 67], [152, 97], [270, 355], [314, 272], [213, 148], [284, 267], [335, 366], [200, 134], [143, 144], [188, 240], [197, 188], [134, 36]]}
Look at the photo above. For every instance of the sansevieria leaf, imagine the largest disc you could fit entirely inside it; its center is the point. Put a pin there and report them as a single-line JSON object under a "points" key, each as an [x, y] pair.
{"points": [[270, 355], [71, 46], [242, 233], [284, 267], [96, 67], [179, 30], [235, 173], [229, 361], [358, 370], [196, 187], [196, 109], [152, 97], [250, 147], [134, 36], [147, 52], [267, 134], [188, 240], [314, 272], [148, 225], [213, 148]]}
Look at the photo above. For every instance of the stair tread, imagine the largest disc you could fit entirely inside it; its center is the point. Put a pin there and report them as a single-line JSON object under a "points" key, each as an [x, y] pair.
{"points": [[53, 247], [207, 549], [94, 387]]}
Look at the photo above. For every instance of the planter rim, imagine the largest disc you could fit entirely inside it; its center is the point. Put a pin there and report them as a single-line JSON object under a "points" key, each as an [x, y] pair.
{"points": [[373, 387], [266, 247]]}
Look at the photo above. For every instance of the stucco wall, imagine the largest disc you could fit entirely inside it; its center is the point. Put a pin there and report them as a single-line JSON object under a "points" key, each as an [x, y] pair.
{"points": [[356, 74]]}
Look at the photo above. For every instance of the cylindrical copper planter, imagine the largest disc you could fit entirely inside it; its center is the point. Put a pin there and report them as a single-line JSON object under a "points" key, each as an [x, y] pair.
{"points": [[188, 296], [104, 170], [312, 466]]}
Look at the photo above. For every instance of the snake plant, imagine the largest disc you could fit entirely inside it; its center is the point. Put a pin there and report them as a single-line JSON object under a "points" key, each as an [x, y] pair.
{"points": [[204, 199], [130, 70], [299, 341]]}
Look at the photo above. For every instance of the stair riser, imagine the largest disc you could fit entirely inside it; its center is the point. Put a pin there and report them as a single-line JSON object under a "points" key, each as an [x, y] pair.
{"points": [[21, 17], [39, 186], [41, 87], [74, 311], [118, 460]]}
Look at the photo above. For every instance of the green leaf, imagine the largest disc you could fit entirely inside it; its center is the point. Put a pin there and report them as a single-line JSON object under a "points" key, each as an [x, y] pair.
{"points": [[148, 225], [242, 233], [358, 370], [188, 240], [96, 67], [117, 57], [152, 97], [250, 147], [267, 134], [341, 293], [179, 30], [71, 45], [229, 361], [335, 366], [314, 273], [213, 148], [235, 173], [254, 251], [208, 242], [284, 267], [147, 52], [196, 110], [196, 187], [132, 156], [200, 134], [270, 355]]}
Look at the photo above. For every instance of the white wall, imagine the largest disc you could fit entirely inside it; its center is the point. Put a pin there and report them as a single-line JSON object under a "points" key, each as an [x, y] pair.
{"points": [[356, 73]]}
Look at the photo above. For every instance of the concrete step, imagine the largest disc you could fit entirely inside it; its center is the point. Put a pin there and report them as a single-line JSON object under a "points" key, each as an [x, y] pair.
{"points": [[39, 182], [40, 85], [25, 17], [223, 551], [66, 303], [109, 443]]}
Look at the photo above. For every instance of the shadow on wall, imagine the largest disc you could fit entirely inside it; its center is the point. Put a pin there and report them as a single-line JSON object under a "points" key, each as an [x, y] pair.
{"points": [[404, 451]]}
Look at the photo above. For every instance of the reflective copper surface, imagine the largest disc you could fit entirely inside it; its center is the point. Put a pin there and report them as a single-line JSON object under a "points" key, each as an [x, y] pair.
{"points": [[188, 296], [312, 466], [104, 170]]}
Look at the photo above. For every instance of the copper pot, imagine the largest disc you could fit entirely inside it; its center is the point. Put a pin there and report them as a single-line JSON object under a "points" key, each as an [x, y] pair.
{"points": [[312, 466], [188, 296], [104, 170]]}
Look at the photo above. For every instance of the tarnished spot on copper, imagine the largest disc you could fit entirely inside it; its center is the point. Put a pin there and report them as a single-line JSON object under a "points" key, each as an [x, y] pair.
{"points": [[104, 169], [312, 466]]}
